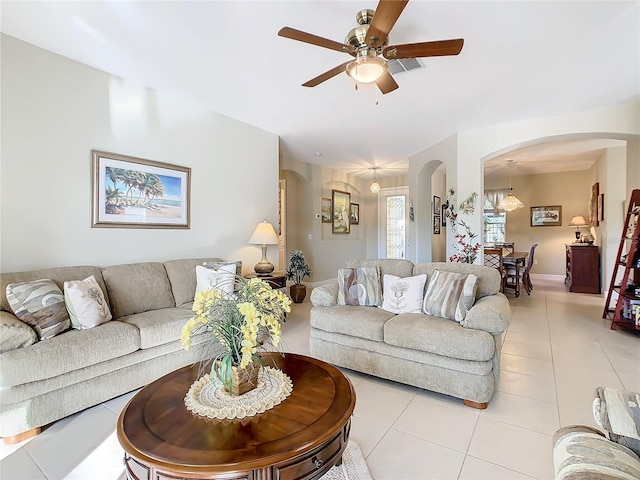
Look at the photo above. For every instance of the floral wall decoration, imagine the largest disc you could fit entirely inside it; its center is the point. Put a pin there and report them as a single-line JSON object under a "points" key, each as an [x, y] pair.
{"points": [[466, 250]]}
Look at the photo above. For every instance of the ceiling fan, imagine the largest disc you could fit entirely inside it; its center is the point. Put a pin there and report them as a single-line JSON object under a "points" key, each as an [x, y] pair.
{"points": [[368, 42]]}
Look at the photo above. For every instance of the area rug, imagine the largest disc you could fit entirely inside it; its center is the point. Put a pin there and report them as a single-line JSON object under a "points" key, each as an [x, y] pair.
{"points": [[106, 463]]}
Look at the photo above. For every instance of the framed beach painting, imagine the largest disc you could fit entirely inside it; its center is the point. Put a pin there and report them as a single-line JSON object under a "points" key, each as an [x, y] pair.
{"points": [[340, 208], [132, 192]]}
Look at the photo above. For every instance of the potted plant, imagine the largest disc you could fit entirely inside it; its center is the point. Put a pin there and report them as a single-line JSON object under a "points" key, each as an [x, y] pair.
{"points": [[241, 323], [296, 271]]}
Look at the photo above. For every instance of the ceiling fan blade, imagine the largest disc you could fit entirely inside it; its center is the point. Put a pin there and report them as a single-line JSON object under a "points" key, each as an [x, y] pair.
{"points": [[424, 49], [326, 75], [305, 37], [386, 83], [384, 19]]}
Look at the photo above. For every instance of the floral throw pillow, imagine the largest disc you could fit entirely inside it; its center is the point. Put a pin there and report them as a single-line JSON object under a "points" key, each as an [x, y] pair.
{"points": [[222, 278], [39, 304], [450, 295], [86, 303], [403, 295], [359, 286]]}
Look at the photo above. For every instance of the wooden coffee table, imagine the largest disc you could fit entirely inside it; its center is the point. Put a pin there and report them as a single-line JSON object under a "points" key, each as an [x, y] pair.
{"points": [[303, 437]]}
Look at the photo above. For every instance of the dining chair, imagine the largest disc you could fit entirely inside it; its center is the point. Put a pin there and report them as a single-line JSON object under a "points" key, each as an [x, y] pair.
{"points": [[515, 275], [508, 248], [493, 259]]}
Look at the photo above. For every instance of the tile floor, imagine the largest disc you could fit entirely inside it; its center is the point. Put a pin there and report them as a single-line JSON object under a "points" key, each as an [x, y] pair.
{"points": [[556, 351]]}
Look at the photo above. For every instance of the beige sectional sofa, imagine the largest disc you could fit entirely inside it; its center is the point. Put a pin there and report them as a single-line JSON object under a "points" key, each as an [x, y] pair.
{"points": [[437, 354], [45, 381]]}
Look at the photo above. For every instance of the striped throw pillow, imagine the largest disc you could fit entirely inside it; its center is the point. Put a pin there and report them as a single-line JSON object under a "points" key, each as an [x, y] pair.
{"points": [[450, 295], [359, 286]]}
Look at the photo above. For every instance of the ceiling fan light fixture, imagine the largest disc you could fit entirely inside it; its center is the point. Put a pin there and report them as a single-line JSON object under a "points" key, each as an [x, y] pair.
{"points": [[366, 69]]}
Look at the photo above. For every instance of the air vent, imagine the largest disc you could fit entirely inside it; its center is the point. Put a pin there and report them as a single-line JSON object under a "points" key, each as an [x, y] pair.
{"points": [[403, 65]]}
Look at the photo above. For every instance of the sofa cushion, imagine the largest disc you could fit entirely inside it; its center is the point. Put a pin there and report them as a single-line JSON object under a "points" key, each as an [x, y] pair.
{"points": [[15, 334], [359, 286], [182, 277], [365, 322], [137, 287], [158, 327], [403, 294], [69, 351], [489, 280], [39, 304], [450, 295], [436, 335], [398, 267], [85, 303]]}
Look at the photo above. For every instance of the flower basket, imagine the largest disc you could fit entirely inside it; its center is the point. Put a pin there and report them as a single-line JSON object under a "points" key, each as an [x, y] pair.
{"points": [[243, 380]]}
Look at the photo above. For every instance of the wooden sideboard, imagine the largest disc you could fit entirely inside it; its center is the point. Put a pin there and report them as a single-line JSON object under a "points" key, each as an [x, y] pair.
{"points": [[583, 268]]}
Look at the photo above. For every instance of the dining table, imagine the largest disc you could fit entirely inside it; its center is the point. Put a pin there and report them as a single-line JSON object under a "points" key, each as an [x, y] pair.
{"points": [[517, 260]]}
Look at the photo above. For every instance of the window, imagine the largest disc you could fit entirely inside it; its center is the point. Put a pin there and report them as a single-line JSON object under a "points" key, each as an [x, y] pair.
{"points": [[495, 221]]}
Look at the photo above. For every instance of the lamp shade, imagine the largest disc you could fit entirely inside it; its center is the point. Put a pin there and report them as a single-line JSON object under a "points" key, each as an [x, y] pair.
{"points": [[375, 187], [578, 221], [510, 203], [264, 234]]}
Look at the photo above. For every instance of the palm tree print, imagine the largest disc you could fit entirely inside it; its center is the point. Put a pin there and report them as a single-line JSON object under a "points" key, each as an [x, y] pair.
{"points": [[131, 188]]}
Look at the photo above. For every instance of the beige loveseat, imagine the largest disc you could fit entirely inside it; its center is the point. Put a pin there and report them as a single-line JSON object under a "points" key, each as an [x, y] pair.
{"points": [[45, 381], [437, 354]]}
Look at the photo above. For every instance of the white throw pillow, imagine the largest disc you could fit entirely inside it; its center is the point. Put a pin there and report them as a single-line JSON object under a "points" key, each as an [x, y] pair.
{"points": [[85, 303], [450, 295], [403, 295], [222, 278]]}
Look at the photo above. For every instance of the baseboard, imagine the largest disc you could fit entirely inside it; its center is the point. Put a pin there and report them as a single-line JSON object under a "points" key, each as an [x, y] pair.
{"points": [[547, 276]]}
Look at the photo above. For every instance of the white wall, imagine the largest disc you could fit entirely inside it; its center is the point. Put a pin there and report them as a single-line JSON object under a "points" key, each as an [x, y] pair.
{"points": [[55, 110], [465, 152]]}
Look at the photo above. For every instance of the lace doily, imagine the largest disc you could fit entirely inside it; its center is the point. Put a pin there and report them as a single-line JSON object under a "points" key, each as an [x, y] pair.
{"points": [[208, 398]]}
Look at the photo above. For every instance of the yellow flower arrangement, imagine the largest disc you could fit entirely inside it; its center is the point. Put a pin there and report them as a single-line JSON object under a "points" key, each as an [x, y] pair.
{"points": [[242, 323]]}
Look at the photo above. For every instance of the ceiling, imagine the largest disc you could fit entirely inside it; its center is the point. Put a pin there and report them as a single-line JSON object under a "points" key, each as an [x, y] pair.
{"points": [[521, 59]]}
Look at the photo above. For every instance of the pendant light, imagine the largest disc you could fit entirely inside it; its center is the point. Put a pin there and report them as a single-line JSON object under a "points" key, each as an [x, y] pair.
{"points": [[375, 186], [510, 202]]}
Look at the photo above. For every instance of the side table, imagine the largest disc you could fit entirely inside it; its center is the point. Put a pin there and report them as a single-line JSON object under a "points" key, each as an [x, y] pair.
{"points": [[274, 279]]}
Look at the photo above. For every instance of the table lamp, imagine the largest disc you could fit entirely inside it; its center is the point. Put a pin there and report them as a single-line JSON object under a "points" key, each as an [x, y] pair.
{"points": [[578, 221], [264, 235]]}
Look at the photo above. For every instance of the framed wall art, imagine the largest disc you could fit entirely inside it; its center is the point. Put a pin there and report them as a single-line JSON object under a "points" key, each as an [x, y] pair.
{"points": [[444, 215], [436, 224], [340, 210], [550, 216], [355, 214], [325, 210], [131, 192], [593, 205], [436, 205]]}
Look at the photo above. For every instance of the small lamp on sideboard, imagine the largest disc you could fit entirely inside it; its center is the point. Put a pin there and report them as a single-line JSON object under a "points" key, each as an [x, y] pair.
{"points": [[578, 221], [264, 235]]}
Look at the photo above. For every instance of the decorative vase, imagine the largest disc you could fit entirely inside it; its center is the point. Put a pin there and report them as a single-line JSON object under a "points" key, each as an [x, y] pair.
{"points": [[242, 380], [298, 292]]}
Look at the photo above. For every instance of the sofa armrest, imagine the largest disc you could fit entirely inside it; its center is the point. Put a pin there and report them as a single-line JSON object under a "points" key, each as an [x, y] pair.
{"points": [[325, 295], [14, 334], [490, 314]]}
